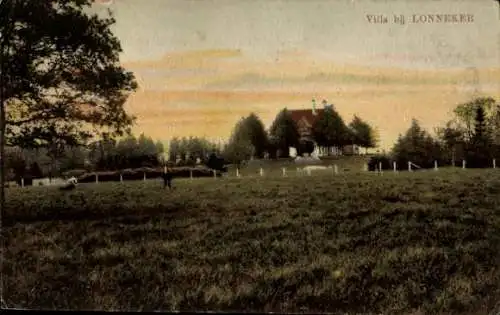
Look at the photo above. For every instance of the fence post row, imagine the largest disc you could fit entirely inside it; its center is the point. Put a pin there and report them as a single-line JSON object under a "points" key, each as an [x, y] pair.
{"points": [[335, 170]]}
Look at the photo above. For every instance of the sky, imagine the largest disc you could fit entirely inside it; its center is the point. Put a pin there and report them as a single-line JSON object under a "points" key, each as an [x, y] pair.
{"points": [[201, 65]]}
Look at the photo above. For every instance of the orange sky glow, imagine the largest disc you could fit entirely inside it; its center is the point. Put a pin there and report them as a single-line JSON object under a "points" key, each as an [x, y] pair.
{"points": [[197, 76]]}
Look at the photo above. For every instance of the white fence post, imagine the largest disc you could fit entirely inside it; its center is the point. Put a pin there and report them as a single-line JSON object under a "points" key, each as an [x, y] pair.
{"points": [[261, 171], [97, 178], [165, 169], [121, 178], [435, 165], [380, 167], [22, 182], [215, 173], [494, 163], [365, 167], [284, 171], [336, 169], [237, 172], [409, 166], [463, 164], [191, 174], [394, 166]]}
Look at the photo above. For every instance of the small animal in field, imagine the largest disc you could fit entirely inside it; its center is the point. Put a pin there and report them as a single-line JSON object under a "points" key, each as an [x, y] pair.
{"points": [[316, 167], [70, 184], [307, 169], [167, 177]]}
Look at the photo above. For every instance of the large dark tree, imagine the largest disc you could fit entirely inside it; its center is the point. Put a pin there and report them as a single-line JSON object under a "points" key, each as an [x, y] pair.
{"points": [[480, 129], [479, 153], [465, 114], [239, 148], [362, 134], [256, 133], [452, 138], [416, 146], [473, 132], [60, 76], [330, 130], [284, 133]]}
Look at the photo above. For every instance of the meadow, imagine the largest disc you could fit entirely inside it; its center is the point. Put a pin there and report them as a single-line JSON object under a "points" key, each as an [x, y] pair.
{"points": [[408, 243]]}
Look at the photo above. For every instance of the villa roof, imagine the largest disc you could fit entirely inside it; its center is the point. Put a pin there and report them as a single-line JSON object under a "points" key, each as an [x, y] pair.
{"points": [[298, 114]]}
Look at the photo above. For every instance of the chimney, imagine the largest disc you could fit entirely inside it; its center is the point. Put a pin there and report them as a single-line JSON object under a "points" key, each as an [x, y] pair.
{"points": [[326, 105], [313, 106]]}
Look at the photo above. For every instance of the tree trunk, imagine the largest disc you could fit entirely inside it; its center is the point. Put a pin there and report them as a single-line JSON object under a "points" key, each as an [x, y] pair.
{"points": [[2, 143], [453, 157], [2, 128]]}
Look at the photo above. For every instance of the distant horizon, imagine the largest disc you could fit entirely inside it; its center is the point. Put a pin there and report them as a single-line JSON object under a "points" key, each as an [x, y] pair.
{"points": [[202, 65]]}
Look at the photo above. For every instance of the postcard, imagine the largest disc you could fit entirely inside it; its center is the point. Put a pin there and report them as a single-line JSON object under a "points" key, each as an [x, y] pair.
{"points": [[305, 156]]}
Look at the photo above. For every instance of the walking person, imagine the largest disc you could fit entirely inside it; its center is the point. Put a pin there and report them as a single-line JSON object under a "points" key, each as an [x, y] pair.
{"points": [[167, 178]]}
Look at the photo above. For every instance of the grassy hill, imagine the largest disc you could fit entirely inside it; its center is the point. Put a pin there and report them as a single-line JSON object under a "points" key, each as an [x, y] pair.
{"points": [[407, 243]]}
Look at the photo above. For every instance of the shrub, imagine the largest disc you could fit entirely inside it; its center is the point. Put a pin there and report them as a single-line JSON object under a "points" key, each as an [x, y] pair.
{"points": [[478, 159], [373, 162]]}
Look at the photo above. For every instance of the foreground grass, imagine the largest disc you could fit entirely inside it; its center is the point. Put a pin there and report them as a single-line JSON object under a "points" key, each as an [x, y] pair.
{"points": [[424, 242]]}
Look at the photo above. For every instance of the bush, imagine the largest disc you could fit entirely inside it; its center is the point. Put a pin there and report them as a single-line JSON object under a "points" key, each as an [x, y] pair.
{"points": [[373, 163], [216, 163], [27, 180], [478, 159]]}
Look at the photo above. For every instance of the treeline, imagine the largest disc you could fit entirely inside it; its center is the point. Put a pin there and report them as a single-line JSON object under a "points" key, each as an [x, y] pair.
{"points": [[104, 154], [250, 138], [131, 152], [191, 151], [473, 135]]}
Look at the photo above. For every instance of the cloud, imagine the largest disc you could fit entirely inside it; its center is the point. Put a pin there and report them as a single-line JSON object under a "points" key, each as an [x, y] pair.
{"points": [[186, 59], [253, 81], [232, 70]]}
